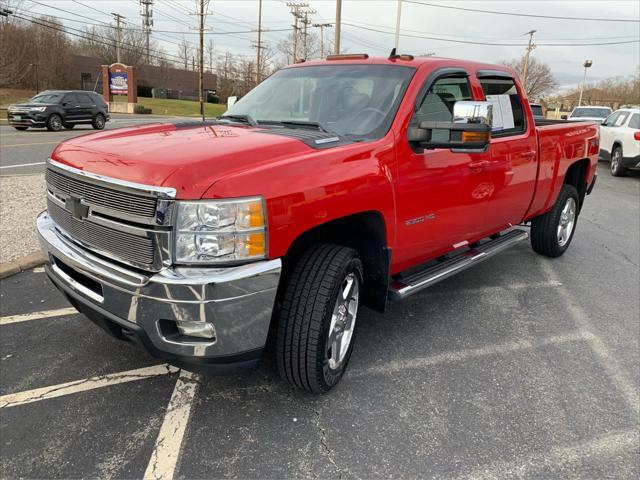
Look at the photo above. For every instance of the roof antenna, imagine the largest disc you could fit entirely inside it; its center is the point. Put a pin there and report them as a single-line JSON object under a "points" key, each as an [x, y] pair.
{"points": [[393, 54]]}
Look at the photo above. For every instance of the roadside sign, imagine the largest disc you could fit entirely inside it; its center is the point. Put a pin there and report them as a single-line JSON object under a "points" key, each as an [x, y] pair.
{"points": [[118, 79]]}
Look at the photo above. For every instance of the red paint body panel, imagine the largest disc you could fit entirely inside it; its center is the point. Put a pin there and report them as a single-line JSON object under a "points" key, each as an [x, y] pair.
{"points": [[304, 187]]}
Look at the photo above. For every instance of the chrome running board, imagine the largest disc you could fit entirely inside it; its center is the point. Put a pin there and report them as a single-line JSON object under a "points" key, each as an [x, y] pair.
{"points": [[415, 282]]}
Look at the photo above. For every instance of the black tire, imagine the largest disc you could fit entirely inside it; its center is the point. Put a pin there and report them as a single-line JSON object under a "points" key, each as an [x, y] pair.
{"points": [[69, 126], [54, 122], [305, 317], [617, 170], [99, 121], [546, 238], [22, 129]]}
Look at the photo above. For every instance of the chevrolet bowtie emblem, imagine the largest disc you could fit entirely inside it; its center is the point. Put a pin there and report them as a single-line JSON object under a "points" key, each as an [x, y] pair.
{"points": [[76, 207]]}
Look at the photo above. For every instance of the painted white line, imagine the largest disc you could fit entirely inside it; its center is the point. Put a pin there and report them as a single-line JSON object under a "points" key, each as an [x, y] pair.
{"points": [[38, 315], [469, 354], [607, 360], [20, 398], [560, 461], [22, 165], [165, 455]]}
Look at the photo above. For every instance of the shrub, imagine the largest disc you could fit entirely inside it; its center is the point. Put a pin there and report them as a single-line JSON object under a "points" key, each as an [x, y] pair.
{"points": [[142, 109]]}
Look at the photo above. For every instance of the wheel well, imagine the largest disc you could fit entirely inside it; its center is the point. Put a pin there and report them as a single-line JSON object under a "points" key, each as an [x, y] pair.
{"points": [[365, 232], [615, 144], [577, 176]]}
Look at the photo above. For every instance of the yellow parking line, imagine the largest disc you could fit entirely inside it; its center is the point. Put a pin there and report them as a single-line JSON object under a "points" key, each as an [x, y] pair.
{"points": [[37, 315], [29, 144], [38, 394]]}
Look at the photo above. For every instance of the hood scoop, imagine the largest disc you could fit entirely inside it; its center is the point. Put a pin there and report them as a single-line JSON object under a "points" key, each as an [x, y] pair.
{"points": [[312, 138]]}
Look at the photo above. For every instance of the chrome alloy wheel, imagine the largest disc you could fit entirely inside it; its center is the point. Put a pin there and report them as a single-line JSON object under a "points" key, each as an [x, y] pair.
{"points": [[56, 123], [343, 321], [567, 221], [615, 160]]}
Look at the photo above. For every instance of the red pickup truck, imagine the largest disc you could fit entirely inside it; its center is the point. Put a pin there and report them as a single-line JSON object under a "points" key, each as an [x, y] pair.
{"points": [[333, 184]]}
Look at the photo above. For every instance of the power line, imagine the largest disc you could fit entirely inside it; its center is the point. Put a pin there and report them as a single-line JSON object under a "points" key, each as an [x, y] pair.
{"points": [[495, 44], [493, 12]]}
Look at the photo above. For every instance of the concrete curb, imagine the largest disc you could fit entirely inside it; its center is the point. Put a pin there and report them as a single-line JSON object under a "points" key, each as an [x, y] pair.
{"points": [[21, 264]]}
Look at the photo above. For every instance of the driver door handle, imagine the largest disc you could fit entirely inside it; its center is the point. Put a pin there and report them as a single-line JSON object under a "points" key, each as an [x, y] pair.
{"points": [[529, 154], [478, 165]]}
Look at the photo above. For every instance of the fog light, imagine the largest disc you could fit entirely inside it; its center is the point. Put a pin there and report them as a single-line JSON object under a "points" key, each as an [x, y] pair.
{"points": [[196, 329]]}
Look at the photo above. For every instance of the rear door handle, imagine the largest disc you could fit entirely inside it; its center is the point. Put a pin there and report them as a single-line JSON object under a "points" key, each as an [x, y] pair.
{"points": [[529, 154], [477, 165]]}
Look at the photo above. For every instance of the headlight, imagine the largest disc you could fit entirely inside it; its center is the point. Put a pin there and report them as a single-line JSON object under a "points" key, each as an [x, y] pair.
{"points": [[37, 109], [215, 231]]}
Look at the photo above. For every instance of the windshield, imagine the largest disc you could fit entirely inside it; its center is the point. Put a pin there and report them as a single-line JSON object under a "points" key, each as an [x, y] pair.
{"points": [[537, 110], [46, 98], [352, 100], [591, 112]]}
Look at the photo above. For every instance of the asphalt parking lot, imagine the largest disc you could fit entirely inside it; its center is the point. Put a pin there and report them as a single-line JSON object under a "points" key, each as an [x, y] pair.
{"points": [[522, 367]]}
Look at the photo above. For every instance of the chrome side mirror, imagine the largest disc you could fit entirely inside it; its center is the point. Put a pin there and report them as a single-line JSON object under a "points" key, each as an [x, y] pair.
{"points": [[477, 113], [470, 129]]}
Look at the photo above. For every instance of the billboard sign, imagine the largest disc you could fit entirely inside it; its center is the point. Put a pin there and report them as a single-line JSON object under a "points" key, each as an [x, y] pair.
{"points": [[118, 79]]}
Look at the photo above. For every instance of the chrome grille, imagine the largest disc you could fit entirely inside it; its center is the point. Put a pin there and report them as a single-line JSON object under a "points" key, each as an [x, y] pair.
{"points": [[97, 195], [123, 245]]}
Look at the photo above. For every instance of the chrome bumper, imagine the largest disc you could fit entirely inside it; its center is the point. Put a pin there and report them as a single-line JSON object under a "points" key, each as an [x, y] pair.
{"points": [[237, 301]]}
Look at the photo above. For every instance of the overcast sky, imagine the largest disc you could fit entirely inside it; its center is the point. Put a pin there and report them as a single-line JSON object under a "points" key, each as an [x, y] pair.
{"points": [[417, 20]]}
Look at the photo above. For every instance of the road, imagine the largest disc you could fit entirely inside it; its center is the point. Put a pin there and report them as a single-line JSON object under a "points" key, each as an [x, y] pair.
{"points": [[26, 152], [522, 367]]}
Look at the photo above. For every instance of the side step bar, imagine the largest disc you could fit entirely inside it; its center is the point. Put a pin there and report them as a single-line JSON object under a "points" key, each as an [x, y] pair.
{"points": [[407, 286]]}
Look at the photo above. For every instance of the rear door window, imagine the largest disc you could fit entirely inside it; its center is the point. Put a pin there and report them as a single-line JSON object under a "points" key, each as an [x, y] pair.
{"points": [[85, 99], [508, 114]]}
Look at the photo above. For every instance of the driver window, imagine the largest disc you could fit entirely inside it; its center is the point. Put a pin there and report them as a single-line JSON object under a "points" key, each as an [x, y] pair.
{"points": [[437, 105]]}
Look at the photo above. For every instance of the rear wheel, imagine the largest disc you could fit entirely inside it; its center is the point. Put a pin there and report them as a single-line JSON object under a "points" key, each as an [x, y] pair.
{"points": [[21, 128], [317, 318], [552, 232], [54, 123], [617, 170], [99, 122]]}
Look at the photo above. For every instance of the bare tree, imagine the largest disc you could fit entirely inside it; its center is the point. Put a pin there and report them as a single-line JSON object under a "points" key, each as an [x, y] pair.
{"points": [[102, 42], [185, 52], [539, 79], [211, 54]]}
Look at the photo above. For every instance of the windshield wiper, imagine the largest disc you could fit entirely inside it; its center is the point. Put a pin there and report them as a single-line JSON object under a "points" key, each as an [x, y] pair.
{"points": [[248, 119], [302, 123]]}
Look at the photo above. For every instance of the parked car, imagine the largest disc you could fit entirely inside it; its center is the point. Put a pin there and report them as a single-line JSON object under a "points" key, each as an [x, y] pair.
{"points": [[594, 114], [331, 185], [58, 109], [536, 110], [620, 140]]}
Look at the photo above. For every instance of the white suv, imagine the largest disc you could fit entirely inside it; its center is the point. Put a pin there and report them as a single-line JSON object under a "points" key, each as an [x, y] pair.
{"points": [[620, 140]]}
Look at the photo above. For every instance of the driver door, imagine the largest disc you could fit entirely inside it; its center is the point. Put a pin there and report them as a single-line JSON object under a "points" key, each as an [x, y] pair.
{"points": [[442, 194]]}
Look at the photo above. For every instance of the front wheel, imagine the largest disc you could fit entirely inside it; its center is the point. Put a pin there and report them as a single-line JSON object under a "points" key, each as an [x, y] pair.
{"points": [[317, 318], [552, 232], [54, 123], [617, 170], [99, 122]]}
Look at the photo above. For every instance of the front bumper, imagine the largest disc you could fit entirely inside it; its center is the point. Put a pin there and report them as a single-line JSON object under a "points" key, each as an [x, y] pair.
{"points": [[27, 119], [237, 301]]}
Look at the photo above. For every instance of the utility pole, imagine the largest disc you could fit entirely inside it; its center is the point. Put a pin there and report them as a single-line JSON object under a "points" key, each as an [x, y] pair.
{"points": [[305, 34], [259, 46], [336, 41], [398, 16], [119, 20], [201, 52], [35, 68], [586, 64], [525, 70], [295, 11], [147, 21], [321, 27]]}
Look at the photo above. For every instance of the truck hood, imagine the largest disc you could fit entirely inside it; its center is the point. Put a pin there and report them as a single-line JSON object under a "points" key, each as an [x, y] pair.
{"points": [[189, 158]]}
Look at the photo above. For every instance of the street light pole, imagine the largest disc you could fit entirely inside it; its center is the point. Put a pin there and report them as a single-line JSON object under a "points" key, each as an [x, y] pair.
{"points": [[336, 41], [586, 64], [398, 16]]}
